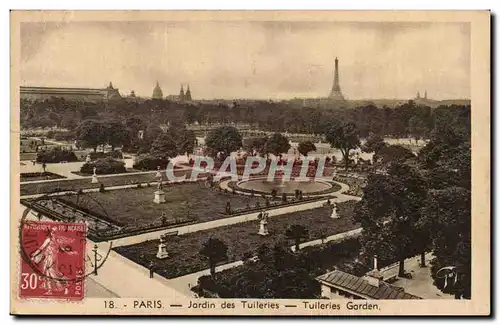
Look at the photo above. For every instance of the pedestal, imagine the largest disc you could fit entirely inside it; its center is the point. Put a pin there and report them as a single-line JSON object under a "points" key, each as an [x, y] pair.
{"points": [[334, 214], [263, 231], [159, 197], [162, 251], [94, 179]]}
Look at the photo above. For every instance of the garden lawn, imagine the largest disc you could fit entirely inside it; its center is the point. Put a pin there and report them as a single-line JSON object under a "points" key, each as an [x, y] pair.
{"points": [[135, 206], [240, 239], [76, 184]]}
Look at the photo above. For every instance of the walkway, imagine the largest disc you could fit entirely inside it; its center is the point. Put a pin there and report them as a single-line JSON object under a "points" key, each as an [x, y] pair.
{"points": [[63, 169], [127, 279]]}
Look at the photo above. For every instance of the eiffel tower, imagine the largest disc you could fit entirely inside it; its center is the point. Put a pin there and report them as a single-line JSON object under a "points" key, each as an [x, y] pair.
{"points": [[336, 93]]}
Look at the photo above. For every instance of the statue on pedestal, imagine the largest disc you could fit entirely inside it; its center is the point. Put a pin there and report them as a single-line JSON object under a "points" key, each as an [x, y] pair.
{"points": [[94, 176], [159, 194], [263, 230], [162, 249], [334, 212]]}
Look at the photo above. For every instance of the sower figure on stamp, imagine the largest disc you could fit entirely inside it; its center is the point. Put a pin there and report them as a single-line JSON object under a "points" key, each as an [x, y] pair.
{"points": [[47, 255]]}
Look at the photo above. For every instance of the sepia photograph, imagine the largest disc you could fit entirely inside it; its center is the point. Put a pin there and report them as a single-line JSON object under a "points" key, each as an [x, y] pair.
{"points": [[250, 163]]}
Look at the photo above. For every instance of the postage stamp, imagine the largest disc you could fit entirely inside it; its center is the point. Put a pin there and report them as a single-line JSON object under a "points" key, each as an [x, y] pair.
{"points": [[53, 260]]}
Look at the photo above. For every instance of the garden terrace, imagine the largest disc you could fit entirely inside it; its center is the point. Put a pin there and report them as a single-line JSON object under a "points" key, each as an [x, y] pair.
{"points": [[85, 183], [38, 176], [241, 239], [134, 207]]}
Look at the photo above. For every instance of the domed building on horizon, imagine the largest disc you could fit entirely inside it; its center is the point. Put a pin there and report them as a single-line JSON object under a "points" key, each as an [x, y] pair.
{"points": [[157, 92]]}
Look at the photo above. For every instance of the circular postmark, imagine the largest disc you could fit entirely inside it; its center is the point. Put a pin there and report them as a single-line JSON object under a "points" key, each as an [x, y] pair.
{"points": [[62, 238]]}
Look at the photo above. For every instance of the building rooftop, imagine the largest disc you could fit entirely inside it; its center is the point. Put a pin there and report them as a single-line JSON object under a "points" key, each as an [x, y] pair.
{"points": [[361, 286]]}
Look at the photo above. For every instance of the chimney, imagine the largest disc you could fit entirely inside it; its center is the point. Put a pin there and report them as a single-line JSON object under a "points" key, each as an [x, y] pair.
{"points": [[374, 277]]}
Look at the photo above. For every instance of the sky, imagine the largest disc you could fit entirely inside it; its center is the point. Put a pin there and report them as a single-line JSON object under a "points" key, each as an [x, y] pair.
{"points": [[251, 59]]}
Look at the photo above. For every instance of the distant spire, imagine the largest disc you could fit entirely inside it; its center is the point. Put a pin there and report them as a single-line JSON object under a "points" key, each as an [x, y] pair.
{"points": [[425, 94], [418, 94], [188, 93], [181, 95]]}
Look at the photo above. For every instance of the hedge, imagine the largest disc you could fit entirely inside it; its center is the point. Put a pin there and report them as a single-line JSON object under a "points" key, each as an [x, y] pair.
{"points": [[55, 155], [150, 162], [104, 166]]}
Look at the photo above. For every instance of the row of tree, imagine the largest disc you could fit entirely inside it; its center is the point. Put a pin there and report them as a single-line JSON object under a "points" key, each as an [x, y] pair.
{"points": [[404, 120]]}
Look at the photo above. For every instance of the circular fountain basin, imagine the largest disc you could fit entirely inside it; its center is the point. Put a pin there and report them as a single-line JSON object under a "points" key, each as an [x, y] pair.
{"points": [[310, 187]]}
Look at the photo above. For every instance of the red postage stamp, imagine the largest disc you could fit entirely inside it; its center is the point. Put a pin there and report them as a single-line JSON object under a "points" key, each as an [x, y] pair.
{"points": [[52, 260]]}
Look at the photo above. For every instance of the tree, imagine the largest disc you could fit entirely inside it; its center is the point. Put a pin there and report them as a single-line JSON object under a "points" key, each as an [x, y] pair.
{"points": [[224, 139], [345, 137], [164, 146], [215, 250], [374, 143], [394, 154], [417, 128], [115, 133], [184, 139], [135, 124], [277, 144], [305, 147], [91, 133], [447, 158], [390, 212], [449, 212], [254, 145], [297, 233]]}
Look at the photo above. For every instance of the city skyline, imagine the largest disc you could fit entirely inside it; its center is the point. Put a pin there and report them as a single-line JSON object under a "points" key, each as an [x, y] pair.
{"points": [[254, 60]]}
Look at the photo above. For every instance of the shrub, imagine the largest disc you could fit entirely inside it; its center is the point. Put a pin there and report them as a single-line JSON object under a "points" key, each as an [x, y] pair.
{"points": [[283, 197], [101, 187], [104, 166], [55, 155], [150, 162]]}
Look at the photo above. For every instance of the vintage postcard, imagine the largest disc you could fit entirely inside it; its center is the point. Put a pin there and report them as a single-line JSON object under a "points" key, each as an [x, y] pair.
{"points": [[319, 163]]}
